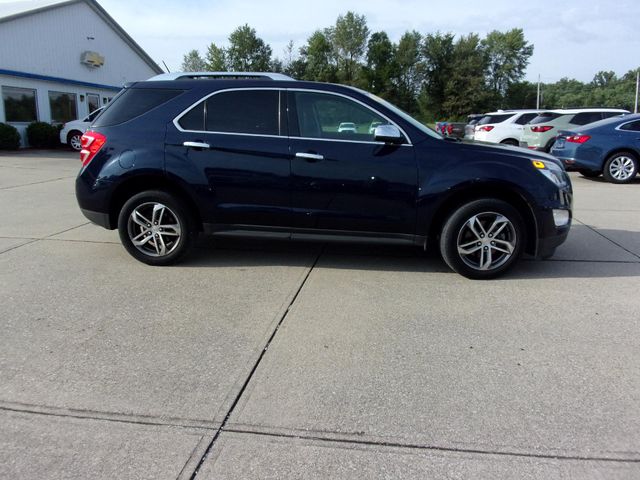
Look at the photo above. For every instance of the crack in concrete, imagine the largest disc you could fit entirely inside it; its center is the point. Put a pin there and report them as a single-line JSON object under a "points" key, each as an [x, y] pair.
{"points": [[432, 447], [255, 367]]}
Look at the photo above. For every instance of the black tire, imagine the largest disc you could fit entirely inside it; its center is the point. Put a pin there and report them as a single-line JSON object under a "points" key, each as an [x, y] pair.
{"points": [[589, 173], [166, 244], [510, 141], [620, 167], [73, 140], [550, 145], [458, 231]]}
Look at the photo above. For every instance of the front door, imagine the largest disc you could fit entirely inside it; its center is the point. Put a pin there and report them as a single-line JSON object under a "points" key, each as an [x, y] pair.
{"points": [[232, 149], [343, 182]]}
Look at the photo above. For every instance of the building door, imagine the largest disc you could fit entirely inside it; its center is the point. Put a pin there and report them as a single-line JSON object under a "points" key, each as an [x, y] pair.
{"points": [[93, 101]]}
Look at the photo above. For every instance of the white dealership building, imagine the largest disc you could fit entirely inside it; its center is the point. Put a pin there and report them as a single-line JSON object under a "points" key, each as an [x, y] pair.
{"points": [[60, 60]]}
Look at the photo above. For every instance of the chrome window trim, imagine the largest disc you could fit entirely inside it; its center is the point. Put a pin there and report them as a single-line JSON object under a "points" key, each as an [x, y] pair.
{"points": [[177, 119]]}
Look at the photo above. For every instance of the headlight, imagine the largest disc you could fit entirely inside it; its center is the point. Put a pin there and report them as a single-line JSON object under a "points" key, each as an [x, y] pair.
{"points": [[550, 170]]}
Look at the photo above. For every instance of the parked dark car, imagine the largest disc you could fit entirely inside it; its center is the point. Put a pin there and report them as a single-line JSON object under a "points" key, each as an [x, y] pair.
{"points": [[263, 157], [470, 127], [610, 147]]}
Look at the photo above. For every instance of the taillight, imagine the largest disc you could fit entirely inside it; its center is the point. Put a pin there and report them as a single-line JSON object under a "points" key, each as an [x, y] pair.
{"points": [[486, 128], [449, 129], [578, 138], [544, 128], [91, 143]]}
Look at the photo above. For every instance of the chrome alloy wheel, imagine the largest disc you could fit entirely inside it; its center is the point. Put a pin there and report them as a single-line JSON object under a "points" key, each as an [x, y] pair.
{"points": [[486, 241], [154, 229], [74, 142], [622, 168]]}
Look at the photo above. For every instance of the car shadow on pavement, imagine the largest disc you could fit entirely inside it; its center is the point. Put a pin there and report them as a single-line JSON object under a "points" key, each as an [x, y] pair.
{"points": [[601, 179], [247, 253]]}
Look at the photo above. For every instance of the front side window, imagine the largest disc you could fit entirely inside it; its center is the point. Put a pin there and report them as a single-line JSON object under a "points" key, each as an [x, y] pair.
{"points": [[19, 104], [329, 116], [63, 106]]}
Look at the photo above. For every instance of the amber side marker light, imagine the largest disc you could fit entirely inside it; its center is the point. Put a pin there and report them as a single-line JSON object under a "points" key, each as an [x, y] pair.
{"points": [[538, 164]]}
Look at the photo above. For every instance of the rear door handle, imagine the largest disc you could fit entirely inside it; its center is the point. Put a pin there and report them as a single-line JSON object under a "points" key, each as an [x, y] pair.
{"points": [[202, 145], [312, 157]]}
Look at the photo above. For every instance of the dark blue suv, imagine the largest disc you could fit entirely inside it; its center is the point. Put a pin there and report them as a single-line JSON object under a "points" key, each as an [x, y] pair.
{"points": [[264, 155]]}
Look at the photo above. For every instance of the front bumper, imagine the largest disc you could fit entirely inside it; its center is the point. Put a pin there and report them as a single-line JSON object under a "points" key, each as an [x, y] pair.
{"points": [[550, 233]]}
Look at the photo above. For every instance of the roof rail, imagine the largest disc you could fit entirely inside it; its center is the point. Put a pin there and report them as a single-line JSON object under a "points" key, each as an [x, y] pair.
{"points": [[220, 75]]}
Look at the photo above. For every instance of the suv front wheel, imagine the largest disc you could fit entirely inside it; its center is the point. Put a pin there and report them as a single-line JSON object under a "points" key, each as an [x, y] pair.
{"points": [[156, 228], [482, 239]]}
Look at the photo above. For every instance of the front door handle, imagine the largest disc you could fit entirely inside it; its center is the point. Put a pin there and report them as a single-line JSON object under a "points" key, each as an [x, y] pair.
{"points": [[312, 157], [202, 145]]}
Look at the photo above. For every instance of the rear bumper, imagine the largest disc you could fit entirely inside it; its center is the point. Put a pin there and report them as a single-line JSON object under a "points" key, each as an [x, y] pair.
{"points": [[98, 218]]}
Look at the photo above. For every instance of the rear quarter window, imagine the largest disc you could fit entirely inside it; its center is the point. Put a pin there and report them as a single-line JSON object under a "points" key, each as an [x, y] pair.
{"points": [[498, 118], [544, 117], [631, 126], [586, 117], [132, 103]]}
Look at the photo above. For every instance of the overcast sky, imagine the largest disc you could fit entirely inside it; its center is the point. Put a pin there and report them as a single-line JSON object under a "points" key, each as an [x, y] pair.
{"points": [[572, 38]]}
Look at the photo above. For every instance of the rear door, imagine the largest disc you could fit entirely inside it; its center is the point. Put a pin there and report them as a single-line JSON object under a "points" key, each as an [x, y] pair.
{"points": [[231, 148], [345, 182]]}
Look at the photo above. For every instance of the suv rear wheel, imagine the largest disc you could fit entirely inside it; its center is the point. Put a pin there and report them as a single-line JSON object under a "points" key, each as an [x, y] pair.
{"points": [[482, 239], [156, 228]]}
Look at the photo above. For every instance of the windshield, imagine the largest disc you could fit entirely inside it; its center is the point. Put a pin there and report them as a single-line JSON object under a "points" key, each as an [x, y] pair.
{"points": [[405, 116]]}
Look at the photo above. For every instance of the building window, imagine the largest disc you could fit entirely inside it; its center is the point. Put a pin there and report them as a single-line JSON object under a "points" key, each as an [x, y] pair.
{"points": [[93, 101], [19, 104], [63, 106]]}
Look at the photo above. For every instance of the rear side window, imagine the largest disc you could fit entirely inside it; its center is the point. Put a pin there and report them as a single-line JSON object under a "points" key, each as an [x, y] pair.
{"points": [[586, 117], [525, 118], [243, 111], [631, 126], [497, 118], [132, 103], [544, 117]]}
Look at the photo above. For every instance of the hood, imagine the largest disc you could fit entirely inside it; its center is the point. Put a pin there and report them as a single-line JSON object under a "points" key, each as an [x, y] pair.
{"points": [[509, 151]]}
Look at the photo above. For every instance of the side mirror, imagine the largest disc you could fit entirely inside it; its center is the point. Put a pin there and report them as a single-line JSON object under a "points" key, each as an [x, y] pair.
{"points": [[388, 134]]}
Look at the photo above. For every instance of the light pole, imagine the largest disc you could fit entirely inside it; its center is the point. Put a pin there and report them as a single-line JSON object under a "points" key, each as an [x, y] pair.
{"points": [[637, 88]]}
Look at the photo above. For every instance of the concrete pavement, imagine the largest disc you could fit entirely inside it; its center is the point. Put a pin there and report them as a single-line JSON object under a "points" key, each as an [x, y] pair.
{"points": [[278, 360]]}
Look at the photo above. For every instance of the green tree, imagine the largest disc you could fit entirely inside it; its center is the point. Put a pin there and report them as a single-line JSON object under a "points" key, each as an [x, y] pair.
{"points": [[465, 90], [437, 52], [409, 73], [317, 60], [521, 95], [508, 55], [604, 79], [349, 40], [193, 62], [380, 66], [216, 59], [246, 51]]}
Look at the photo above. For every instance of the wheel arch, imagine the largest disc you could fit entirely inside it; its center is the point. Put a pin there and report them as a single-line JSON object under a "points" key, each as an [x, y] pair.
{"points": [[140, 183], [469, 193], [625, 149]]}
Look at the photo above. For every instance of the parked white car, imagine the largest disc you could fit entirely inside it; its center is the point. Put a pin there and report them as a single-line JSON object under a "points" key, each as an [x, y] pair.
{"points": [[72, 131], [503, 126], [347, 127]]}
